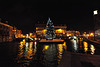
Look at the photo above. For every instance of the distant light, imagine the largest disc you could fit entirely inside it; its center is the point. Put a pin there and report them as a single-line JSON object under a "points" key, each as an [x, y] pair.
{"points": [[35, 43], [87, 34], [95, 12], [59, 29], [26, 35], [91, 34], [30, 34], [67, 34], [75, 37], [35, 38], [23, 40], [69, 37]]}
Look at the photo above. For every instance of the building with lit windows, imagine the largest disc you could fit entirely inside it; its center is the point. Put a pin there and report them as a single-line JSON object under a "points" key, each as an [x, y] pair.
{"points": [[6, 32], [18, 33], [60, 29], [72, 32], [40, 29]]}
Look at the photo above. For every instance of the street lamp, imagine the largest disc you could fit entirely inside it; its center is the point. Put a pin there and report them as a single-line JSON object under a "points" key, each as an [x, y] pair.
{"points": [[91, 34], [95, 12]]}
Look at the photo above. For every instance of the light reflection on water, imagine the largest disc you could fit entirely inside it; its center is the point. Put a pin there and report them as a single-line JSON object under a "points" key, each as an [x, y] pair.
{"points": [[89, 48], [26, 53], [74, 45], [65, 46], [60, 51], [47, 55], [49, 52], [61, 48], [33, 54], [53, 54], [92, 49], [85, 46], [78, 45]]}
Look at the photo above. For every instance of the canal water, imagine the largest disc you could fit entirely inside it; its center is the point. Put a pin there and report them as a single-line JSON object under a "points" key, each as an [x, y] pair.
{"points": [[33, 54]]}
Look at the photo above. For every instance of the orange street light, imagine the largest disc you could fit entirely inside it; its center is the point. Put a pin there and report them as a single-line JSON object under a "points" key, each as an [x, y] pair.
{"points": [[44, 30], [91, 34], [60, 30]]}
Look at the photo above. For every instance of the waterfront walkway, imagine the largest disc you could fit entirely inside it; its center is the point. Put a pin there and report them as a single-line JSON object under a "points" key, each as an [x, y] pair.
{"points": [[79, 60]]}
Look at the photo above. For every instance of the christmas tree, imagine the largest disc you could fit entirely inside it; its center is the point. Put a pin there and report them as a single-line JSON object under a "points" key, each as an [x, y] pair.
{"points": [[50, 33]]}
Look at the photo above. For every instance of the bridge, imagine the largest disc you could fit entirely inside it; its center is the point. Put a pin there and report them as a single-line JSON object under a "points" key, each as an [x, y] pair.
{"points": [[28, 38]]}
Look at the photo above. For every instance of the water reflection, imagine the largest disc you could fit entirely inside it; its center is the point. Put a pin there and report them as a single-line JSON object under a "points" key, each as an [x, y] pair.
{"points": [[37, 55], [89, 47], [25, 53], [49, 55], [61, 48], [33, 54], [28, 50], [60, 51], [92, 49], [74, 45], [52, 54], [85, 46], [35, 48], [81, 46], [65, 46]]}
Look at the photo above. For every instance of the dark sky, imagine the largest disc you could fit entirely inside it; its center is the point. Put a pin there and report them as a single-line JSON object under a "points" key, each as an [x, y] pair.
{"points": [[24, 14]]}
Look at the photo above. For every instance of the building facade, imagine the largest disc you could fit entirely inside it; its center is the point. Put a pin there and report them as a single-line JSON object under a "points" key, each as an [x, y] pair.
{"points": [[6, 32], [59, 29], [18, 33]]}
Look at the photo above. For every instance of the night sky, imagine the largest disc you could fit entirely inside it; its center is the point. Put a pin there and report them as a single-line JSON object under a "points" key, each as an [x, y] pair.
{"points": [[24, 14]]}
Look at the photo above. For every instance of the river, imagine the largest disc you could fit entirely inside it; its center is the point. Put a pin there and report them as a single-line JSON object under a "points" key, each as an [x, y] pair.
{"points": [[34, 54]]}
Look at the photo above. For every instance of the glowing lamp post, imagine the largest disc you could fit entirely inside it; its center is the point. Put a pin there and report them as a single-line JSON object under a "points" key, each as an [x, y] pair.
{"points": [[95, 12], [91, 34]]}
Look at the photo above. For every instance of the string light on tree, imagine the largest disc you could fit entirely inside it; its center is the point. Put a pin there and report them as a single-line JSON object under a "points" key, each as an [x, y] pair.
{"points": [[50, 33]]}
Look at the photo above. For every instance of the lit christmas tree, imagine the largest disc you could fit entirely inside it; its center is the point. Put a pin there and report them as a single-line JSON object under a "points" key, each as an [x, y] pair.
{"points": [[50, 33]]}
